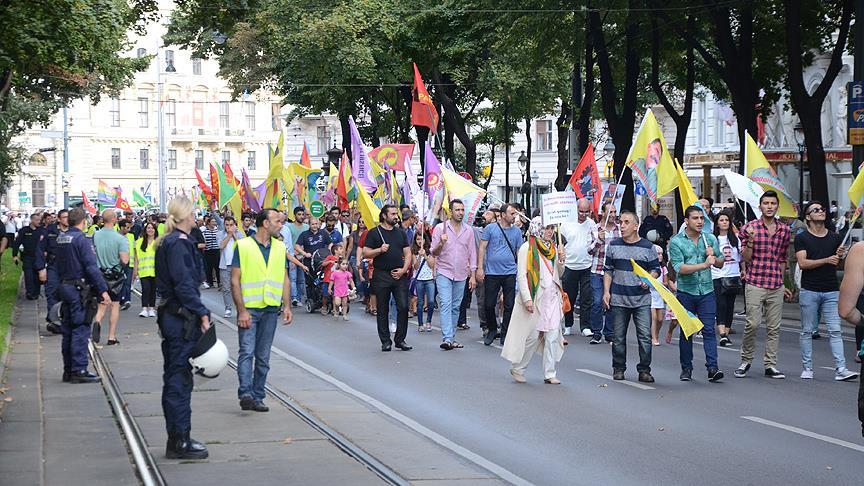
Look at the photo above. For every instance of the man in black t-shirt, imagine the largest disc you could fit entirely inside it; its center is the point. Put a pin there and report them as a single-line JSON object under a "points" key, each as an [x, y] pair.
{"points": [[388, 246], [819, 254]]}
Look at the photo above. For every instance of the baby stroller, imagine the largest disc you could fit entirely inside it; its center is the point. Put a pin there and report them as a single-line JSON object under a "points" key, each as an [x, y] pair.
{"points": [[315, 280]]}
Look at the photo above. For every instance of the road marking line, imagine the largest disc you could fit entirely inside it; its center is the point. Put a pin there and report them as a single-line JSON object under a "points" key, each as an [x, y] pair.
{"points": [[806, 433], [623, 382], [405, 420]]}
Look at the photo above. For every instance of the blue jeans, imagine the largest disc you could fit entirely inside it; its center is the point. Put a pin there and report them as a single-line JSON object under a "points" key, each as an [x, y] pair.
{"points": [[255, 342], [425, 294], [598, 314], [705, 308], [298, 283], [812, 305], [126, 293], [451, 292], [642, 321]]}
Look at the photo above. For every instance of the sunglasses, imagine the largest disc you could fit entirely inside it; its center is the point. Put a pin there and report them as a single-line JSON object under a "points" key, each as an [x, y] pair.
{"points": [[816, 210]]}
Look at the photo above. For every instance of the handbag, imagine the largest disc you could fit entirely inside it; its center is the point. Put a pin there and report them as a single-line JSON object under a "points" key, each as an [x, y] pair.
{"points": [[730, 285]]}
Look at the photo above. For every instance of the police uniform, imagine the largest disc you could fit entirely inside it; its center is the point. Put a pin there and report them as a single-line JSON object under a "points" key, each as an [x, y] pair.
{"points": [[48, 248], [28, 238], [77, 270], [179, 272]]}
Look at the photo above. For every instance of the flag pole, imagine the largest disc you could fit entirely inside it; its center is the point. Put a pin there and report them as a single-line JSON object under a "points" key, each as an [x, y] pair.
{"points": [[852, 221], [614, 196]]}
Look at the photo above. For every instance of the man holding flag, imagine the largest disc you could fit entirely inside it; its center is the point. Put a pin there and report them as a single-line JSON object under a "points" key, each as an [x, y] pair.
{"points": [[692, 254]]}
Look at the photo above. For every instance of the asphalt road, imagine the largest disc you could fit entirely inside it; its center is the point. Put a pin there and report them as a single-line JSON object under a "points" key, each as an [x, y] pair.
{"points": [[592, 430]]}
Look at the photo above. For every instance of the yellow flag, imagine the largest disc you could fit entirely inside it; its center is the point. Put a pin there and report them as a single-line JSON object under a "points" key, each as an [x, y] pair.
{"points": [[757, 168], [856, 192], [236, 205], [650, 161], [690, 324], [458, 187], [275, 176], [368, 210], [688, 195]]}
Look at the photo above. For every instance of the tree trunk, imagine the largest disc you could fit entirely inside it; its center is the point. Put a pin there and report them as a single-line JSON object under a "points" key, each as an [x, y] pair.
{"points": [[507, 151], [563, 124], [491, 168], [448, 143], [346, 134], [375, 121], [528, 164], [587, 105], [456, 123]]}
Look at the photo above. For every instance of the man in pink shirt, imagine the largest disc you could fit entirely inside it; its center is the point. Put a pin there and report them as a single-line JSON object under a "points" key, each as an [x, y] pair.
{"points": [[456, 261]]}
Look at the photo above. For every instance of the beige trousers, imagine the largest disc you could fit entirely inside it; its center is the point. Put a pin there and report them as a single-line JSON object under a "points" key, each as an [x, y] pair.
{"points": [[549, 363], [763, 305]]}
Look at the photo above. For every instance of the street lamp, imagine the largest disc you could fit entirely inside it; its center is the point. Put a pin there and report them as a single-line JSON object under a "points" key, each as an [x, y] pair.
{"points": [[609, 148], [534, 176], [799, 139], [523, 165], [333, 156]]}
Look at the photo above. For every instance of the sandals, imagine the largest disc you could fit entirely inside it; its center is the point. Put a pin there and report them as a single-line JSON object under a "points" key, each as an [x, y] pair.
{"points": [[447, 345], [428, 327], [463, 327], [420, 328], [455, 345]]}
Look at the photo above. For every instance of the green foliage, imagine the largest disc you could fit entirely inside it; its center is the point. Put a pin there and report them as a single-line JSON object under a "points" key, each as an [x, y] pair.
{"points": [[55, 51], [10, 274]]}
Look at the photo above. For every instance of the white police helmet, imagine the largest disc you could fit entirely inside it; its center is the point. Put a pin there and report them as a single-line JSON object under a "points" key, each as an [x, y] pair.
{"points": [[210, 355], [652, 236]]}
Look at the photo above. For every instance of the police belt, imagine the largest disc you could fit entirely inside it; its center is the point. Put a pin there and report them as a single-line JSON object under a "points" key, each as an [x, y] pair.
{"points": [[190, 320]]}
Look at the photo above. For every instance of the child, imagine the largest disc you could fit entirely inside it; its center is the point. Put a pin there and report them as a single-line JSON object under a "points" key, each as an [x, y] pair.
{"points": [[658, 307], [329, 265], [341, 281]]}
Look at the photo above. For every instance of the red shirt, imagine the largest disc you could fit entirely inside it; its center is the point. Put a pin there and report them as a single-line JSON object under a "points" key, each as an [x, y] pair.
{"points": [[769, 253], [329, 264]]}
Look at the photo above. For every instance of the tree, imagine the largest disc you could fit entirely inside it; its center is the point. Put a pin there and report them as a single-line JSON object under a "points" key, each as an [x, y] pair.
{"points": [[56, 51], [821, 20]]}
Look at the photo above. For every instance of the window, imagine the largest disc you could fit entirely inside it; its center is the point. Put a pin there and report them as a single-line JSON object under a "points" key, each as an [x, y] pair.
{"points": [[544, 135], [38, 190], [141, 52], [169, 61], [143, 112], [199, 159], [701, 129], [223, 114], [196, 66], [226, 157], [197, 114], [275, 118], [250, 160], [115, 112], [250, 114], [171, 112], [323, 140], [719, 134], [172, 159], [144, 158], [115, 158]]}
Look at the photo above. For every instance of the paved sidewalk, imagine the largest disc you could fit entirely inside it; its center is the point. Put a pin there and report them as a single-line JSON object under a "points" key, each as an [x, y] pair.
{"points": [[53, 432]]}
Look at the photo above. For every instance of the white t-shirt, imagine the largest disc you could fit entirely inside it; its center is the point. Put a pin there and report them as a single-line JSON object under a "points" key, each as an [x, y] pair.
{"points": [[731, 260], [9, 223], [578, 237], [228, 252]]}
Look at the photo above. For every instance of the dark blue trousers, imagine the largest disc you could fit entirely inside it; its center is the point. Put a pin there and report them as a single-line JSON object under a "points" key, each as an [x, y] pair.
{"points": [[176, 373], [75, 329], [51, 285], [705, 308]]}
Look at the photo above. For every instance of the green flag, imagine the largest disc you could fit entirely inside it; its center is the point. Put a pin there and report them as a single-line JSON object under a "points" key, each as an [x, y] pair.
{"points": [[139, 200], [226, 189]]}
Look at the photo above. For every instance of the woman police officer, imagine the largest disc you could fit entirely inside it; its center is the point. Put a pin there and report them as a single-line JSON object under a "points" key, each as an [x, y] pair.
{"points": [[182, 319]]}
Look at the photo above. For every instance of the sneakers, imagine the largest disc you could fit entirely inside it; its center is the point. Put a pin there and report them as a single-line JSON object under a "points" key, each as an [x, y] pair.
{"points": [[715, 375], [204, 285], [772, 372], [686, 375], [152, 313], [295, 303], [568, 331], [587, 332], [645, 377], [807, 375], [227, 313], [618, 375], [595, 340], [724, 341], [816, 335], [742, 370], [144, 313], [843, 374], [345, 317], [125, 305]]}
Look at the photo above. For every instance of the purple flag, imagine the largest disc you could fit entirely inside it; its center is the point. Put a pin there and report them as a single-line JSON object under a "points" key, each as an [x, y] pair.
{"points": [[433, 185], [254, 196], [360, 165]]}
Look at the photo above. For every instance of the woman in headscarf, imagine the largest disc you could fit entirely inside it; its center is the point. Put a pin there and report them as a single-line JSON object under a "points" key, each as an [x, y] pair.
{"points": [[535, 326]]}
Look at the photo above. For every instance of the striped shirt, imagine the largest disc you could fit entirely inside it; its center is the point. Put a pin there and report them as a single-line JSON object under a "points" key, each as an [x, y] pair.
{"points": [[211, 238], [626, 289]]}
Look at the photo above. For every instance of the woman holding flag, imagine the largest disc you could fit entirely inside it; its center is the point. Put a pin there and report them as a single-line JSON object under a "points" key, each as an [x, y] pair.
{"points": [[535, 326]]}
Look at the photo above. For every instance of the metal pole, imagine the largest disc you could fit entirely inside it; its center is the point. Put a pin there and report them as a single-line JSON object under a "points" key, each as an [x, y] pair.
{"points": [[801, 174], [65, 157], [160, 136], [858, 74]]}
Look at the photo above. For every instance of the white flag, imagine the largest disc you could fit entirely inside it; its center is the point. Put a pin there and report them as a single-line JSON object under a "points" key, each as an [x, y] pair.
{"points": [[745, 190]]}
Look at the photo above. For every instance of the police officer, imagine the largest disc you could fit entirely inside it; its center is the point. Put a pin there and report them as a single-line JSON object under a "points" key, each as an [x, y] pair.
{"points": [[79, 276], [48, 248], [28, 238], [182, 318]]}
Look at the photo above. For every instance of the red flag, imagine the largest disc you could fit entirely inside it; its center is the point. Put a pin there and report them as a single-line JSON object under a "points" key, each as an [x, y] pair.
{"points": [[204, 187], [423, 112], [229, 174], [88, 205], [304, 157], [392, 155], [122, 204], [342, 184], [214, 183], [585, 180]]}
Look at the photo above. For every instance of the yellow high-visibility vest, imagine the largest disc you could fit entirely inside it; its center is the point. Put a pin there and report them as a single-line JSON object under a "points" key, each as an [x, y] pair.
{"points": [[131, 238], [146, 258], [260, 282]]}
